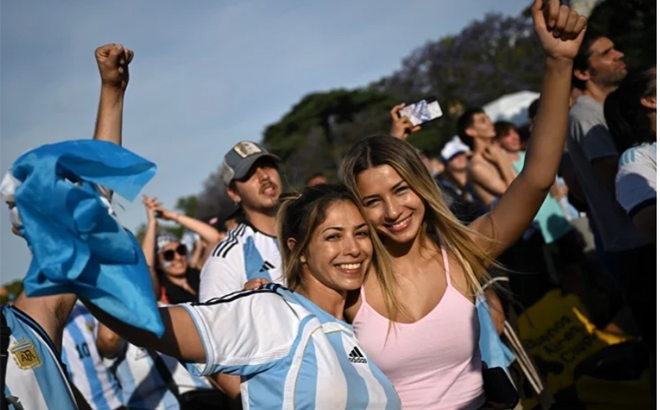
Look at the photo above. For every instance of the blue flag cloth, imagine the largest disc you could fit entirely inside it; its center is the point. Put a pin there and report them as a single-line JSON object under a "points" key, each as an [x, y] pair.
{"points": [[493, 351], [77, 242]]}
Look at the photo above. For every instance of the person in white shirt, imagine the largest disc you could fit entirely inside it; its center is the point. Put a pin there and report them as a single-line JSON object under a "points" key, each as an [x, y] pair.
{"points": [[250, 250], [292, 348], [630, 113]]}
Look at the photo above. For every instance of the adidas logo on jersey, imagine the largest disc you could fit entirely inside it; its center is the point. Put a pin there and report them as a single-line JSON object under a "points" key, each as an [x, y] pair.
{"points": [[266, 267], [356, 356]]}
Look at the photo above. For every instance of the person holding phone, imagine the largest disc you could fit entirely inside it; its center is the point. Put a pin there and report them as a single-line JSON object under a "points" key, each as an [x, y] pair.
{"points": [[423, 332], [292, 348]]}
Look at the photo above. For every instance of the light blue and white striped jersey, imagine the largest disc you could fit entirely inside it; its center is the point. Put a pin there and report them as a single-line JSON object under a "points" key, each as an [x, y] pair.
{"points": [[84, 362], [142, 385], [244, 254], [36, 378], [636, 185], [288, 352]]}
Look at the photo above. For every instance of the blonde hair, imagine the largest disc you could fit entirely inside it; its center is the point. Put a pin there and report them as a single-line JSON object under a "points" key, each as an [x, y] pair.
{"points": [[297, 219], [439, 222]]}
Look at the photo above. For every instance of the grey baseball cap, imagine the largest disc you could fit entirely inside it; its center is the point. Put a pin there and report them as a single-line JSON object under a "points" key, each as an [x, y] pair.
{"points": [[240, 158]]}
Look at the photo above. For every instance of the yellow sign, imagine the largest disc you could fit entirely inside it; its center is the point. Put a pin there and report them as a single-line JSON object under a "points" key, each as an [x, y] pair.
{"points": [[25, 354], [558, 335]]}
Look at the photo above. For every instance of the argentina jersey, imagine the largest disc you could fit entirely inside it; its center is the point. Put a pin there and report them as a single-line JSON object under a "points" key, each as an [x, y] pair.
{"points": [[244, 254], [289, 353], [36, 378], [143, 386], [84, 363]]}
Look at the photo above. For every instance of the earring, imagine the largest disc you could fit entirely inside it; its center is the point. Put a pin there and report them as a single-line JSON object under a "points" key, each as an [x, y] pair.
{"points": [[302, 259]]}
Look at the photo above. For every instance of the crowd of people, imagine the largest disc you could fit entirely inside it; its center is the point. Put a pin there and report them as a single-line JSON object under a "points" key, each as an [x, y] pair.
{"points": [[395, 288]]}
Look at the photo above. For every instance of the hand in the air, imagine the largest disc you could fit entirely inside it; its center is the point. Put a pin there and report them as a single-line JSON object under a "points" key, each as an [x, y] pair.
{"points": [[113, 61], [559, 29]]}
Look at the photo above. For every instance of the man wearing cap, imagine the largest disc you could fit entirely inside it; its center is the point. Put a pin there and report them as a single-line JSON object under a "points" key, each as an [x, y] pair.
{"points": [[250, 250], [454, 181]]}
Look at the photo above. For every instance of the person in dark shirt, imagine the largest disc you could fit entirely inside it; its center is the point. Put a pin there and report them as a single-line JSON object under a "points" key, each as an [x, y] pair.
{"points": [[175, 280]]}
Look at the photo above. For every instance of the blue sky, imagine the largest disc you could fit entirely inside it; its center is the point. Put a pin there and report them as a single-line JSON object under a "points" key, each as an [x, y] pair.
{"points": [[206, 74]]}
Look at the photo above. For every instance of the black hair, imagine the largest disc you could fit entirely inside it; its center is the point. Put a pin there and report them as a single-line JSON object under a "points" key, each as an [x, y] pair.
{"points": [[581, 61], [502, 128], [627, 119], [533, 109], [465, 121], [315, 175]]}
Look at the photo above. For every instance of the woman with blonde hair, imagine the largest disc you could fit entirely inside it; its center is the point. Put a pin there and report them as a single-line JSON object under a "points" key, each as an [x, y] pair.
{"points": [[292, 348], [419, 324]]}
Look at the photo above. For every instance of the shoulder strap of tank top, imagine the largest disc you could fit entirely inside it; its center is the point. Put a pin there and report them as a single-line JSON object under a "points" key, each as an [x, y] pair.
{"points": [[445, 260], [363, 296]]}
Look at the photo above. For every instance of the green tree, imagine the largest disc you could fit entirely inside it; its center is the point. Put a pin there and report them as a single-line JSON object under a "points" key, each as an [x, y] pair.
{"points": [[314, 135]]}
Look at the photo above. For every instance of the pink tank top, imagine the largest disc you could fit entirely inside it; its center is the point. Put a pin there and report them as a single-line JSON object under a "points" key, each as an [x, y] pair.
{"points": [[434, 363]]}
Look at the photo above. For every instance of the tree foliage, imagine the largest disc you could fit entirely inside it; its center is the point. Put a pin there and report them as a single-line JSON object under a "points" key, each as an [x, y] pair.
{"points": [[493, 56]]}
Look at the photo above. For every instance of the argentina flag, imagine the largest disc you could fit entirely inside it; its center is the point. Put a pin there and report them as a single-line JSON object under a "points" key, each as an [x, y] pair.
{"points": [[77, 242]]}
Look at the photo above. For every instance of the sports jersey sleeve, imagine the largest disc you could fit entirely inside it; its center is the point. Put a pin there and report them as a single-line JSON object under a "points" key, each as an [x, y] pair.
{"points": [[223, 271], [635, 182], [243, 333]]}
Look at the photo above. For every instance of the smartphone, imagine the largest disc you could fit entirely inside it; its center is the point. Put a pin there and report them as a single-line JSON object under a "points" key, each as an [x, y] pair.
{"points": [[422, 111]]}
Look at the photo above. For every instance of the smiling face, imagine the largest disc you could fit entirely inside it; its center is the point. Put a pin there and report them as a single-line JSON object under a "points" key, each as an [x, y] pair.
{"points": [[510, 141], [260, 190], [394, 209], [340, 249], [176, 266]]}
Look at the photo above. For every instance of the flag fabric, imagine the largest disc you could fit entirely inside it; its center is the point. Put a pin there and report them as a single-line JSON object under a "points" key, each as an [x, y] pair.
{"points": [[77, 242]]}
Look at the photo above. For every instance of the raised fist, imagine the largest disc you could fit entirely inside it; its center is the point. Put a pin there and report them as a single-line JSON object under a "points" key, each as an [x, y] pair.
{"points": [[113, 60], [559, 29]]}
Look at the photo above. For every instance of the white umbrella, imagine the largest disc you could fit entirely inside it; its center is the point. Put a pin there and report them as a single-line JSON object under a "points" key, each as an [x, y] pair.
{"points": [[511, 107]]}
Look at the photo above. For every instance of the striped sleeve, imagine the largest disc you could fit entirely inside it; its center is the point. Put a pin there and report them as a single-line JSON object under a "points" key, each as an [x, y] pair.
{"points": [[224, 270], [243, 333], [636, 181]]}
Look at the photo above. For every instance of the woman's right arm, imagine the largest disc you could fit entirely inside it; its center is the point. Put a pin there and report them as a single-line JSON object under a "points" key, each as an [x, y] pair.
{"points": [[180, 340]]}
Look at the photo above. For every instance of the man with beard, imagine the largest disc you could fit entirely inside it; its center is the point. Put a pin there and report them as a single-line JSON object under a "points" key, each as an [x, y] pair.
{"points": [[250, 250], [598, 70]]}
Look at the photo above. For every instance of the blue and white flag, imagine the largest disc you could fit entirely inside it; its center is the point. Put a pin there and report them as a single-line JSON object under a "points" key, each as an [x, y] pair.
{"points": [[77, 242]]}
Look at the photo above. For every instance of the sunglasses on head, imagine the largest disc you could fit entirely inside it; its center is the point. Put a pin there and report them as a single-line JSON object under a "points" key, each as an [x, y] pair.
{"points": [[168, 255]]}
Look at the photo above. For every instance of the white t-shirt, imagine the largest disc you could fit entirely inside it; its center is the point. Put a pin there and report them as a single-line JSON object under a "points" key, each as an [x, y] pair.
{"points": [[244, 254], [636, 180]]}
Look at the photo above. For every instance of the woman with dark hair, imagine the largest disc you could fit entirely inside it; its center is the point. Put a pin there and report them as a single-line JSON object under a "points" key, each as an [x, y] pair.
{"points": [[292, 348], [175, 280], [630, 112]]}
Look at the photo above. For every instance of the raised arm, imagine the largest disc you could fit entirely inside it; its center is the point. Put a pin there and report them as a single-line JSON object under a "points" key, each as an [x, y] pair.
{"points": [[149, 242], [180, 340], [206, 231], [560, 32], [113, 61]]}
